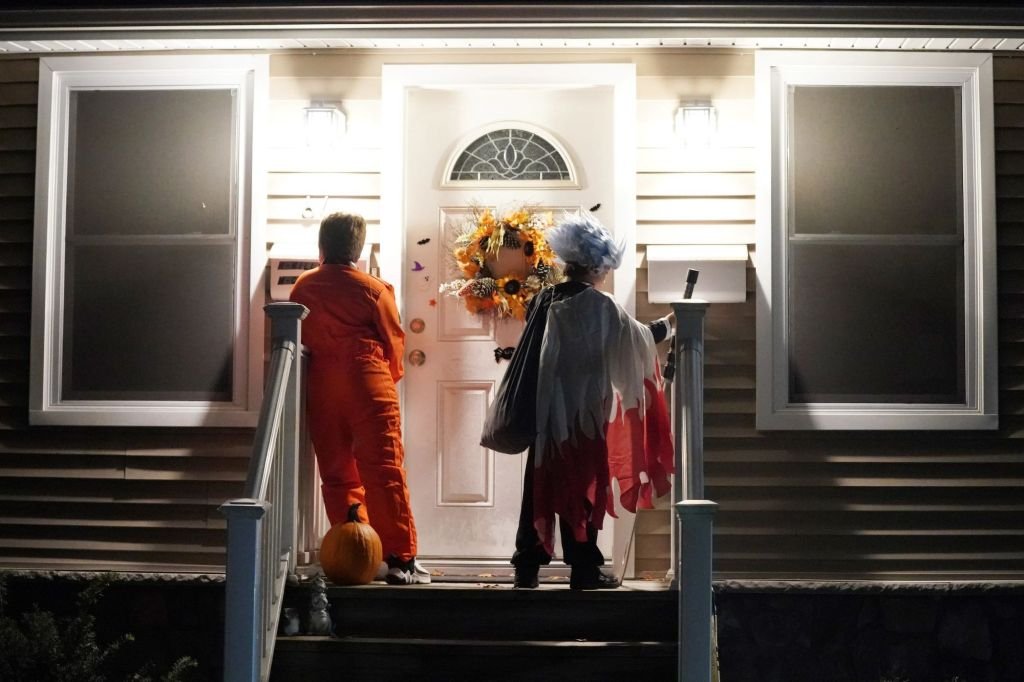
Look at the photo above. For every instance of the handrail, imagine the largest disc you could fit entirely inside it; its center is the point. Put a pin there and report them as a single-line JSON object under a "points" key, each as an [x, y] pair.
{"points": [[261, 525], [262, 460], [694, 515]]}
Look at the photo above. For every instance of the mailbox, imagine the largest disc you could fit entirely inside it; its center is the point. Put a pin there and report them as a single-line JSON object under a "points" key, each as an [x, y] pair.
{"points": [[723, 272]]}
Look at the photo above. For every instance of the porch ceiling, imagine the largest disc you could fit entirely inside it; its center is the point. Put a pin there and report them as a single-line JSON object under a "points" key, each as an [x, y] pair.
{"points": [[45, 27]]}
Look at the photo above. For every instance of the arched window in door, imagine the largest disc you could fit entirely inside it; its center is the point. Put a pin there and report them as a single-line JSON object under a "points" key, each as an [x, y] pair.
{"points": [[511, 153]]}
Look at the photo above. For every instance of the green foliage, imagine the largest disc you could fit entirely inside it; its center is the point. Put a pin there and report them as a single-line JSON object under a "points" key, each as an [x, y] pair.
{"points": [[40, 647]]}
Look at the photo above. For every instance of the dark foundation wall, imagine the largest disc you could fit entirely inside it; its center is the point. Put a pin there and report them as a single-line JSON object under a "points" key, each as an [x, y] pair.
{"points": [[855, 634]]}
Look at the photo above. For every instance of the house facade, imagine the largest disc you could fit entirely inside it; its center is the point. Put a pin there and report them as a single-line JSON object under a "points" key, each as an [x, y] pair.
{"points": [[912, 495]]}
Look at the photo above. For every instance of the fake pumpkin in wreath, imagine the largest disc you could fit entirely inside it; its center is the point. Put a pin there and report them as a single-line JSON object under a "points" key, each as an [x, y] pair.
{"points": [[351, 551]]}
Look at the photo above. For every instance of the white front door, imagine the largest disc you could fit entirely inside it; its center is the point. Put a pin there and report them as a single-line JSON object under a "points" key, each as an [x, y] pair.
{"points": [[466, 498]]}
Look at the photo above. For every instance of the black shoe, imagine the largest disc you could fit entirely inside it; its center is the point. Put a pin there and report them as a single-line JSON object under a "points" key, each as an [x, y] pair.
{"points": [[591, 578], [526, 577]]}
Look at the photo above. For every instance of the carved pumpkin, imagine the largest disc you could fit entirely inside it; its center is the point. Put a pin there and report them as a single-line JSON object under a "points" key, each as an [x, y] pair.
{"points": [[351, 551]]}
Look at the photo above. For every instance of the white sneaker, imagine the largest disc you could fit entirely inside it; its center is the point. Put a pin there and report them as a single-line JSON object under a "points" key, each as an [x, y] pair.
{"points": [[408, 574]]}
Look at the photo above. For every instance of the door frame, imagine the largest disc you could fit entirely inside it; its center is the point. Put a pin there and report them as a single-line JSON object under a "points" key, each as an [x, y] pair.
{"points": [[397, 80]]}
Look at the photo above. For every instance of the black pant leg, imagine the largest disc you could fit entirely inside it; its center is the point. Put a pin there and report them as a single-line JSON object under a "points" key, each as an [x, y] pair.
{"points": [[576, 553], [528, 546]]}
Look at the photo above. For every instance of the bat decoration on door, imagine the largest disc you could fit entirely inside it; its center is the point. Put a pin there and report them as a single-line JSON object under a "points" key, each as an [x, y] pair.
{"points": [[423, 241], [503, 353], [595, 207]]}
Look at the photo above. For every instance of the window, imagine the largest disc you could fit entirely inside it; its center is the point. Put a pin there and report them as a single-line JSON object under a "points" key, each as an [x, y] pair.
{"points": [[143, 285], [876, 261], [511, 153]]}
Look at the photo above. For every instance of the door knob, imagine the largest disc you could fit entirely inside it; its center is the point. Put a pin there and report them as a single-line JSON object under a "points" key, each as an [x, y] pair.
{"points": [[417, 357]]}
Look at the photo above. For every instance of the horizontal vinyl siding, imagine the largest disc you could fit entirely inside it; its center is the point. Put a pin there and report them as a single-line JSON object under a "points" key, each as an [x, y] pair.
{"points": [[18, 94], [90, 498]]}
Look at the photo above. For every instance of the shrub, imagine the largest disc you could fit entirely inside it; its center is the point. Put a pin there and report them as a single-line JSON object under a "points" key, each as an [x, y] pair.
{"points": [[41, 647]]}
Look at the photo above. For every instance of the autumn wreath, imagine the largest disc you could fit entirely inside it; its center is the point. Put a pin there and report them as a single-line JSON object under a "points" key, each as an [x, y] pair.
{"points": [[486, 285]]}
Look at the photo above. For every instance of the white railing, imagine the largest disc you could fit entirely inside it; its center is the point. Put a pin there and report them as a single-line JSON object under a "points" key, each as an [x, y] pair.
{"points": [[694, 515], [262, 525]]}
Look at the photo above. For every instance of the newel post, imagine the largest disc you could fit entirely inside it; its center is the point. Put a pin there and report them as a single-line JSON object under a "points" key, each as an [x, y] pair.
{"points": [[695, 530], [687, 413], [688, 399], [693, 522], [242, 597]]}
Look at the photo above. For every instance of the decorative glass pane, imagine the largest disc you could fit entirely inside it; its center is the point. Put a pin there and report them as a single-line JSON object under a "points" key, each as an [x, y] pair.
{"points": [[510, 154]]}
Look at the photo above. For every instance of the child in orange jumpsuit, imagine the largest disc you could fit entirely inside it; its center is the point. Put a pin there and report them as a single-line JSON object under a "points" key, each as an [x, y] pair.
{"points": [[356, 344]]}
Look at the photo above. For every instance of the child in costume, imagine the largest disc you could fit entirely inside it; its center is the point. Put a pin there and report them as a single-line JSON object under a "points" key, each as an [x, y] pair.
{"points": [[600, 411], [356, 344]]}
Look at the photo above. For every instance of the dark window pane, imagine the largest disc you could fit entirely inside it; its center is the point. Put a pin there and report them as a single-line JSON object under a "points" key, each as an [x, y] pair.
{"points": [[876, 160], [149, 323], [150, 162], [871, 323]]}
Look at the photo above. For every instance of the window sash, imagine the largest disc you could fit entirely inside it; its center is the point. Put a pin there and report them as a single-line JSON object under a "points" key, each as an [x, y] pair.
{"points": [[777, 74], [50, 402]]}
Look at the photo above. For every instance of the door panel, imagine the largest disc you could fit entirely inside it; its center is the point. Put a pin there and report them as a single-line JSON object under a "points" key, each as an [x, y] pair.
{"points": [[466, 498]]}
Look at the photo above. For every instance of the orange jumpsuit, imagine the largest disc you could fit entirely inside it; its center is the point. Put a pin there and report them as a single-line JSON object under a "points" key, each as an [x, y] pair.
{"points": [[356, 345]]}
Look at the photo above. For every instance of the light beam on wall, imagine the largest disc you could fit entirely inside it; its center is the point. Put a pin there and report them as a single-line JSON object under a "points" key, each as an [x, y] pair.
{"points": [[696, 123], [325, 123]]}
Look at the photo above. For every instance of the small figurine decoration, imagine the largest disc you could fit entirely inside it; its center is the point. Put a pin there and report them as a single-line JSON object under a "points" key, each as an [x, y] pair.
{"points": [[319, 614], [289, 624]]}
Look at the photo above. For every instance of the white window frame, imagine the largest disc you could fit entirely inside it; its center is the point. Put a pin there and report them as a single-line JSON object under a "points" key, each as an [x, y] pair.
{"points": [[58, 77], [775, 72]]}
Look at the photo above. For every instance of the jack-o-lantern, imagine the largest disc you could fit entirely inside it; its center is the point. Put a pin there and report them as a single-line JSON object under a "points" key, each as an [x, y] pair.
{"points": [[350, 552]]}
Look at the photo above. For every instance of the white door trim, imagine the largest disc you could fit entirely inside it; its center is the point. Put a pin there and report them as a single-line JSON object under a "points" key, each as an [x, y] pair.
{"points": [[397, 80]]}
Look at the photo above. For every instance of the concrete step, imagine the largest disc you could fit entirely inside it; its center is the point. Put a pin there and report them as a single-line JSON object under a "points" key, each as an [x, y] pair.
{"points": [[484, 632], [358, 659], [497, 612]]}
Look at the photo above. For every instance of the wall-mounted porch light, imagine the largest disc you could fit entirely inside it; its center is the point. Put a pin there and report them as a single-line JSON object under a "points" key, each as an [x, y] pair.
{"points": [[325, 122], [696, 123]]}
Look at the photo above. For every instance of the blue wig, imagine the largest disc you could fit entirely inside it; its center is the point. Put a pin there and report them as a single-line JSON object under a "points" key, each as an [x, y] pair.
{"points": [[584, 240]]}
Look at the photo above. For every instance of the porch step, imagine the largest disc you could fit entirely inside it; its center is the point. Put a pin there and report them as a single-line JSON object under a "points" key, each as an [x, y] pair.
{"points": [[485, 632], [358, 659]]}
